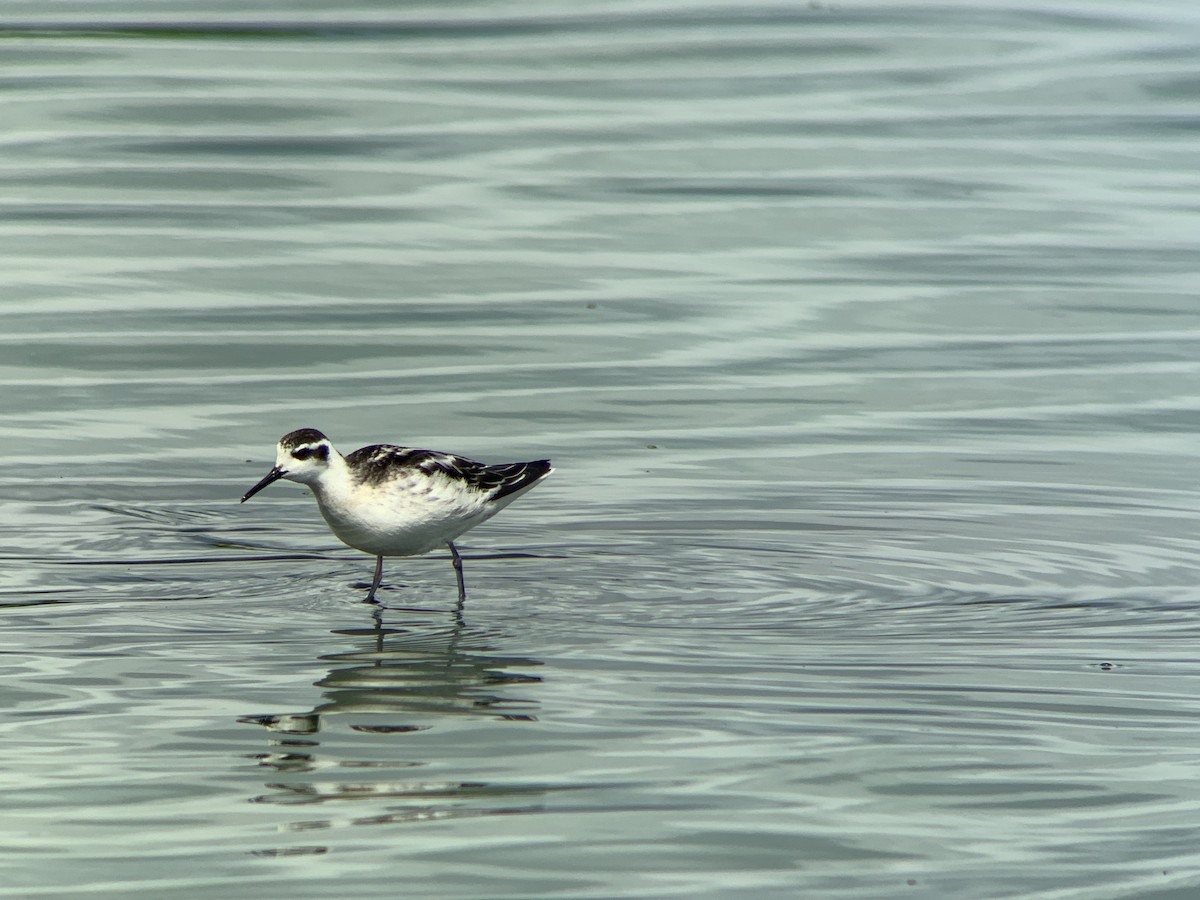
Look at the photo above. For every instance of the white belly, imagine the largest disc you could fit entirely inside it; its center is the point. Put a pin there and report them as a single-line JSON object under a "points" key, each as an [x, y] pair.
{"points": [[404, 519]]}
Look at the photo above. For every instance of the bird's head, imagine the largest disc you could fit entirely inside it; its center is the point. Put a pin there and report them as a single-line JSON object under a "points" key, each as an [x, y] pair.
{"points": [[301, 456]]}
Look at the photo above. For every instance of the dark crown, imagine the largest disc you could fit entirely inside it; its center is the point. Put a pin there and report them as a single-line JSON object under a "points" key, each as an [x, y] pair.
{"points": [[300, 437]]}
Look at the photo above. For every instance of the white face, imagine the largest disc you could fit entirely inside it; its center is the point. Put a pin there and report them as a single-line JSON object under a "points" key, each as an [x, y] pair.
{"points": [[304, 463], [301, 456]]}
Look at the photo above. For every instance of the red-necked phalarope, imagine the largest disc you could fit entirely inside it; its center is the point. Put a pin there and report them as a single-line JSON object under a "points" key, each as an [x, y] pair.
{"points": [[399, 501]]}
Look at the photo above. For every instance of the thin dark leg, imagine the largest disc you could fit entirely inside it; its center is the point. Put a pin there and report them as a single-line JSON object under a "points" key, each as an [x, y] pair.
{"points": [[375, 582], [462, 587]]}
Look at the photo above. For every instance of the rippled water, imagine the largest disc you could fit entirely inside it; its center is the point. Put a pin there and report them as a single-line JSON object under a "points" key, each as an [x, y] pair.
{"points": [[864, 339]]}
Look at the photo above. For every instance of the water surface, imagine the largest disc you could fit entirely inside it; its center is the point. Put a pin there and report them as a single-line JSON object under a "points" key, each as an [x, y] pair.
{"points": [[863, 338]]}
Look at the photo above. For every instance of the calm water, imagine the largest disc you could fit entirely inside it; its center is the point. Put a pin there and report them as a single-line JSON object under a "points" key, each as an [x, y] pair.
{"points": [[864, 338]]}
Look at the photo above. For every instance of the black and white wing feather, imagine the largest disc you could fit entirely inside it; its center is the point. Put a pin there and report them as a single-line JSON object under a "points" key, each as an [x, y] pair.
{"points": [[508, 478], [380, 463]]}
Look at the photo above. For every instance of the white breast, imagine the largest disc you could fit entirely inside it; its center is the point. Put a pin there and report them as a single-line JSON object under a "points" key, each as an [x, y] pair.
{"points": [[405, 516]]}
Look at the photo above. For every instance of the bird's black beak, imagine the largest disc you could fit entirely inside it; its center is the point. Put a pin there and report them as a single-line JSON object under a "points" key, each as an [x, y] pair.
{"points": [[274, 475]]}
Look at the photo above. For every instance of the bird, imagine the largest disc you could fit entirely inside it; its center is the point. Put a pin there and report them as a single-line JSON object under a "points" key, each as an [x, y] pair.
{"points": [[389, 500]]}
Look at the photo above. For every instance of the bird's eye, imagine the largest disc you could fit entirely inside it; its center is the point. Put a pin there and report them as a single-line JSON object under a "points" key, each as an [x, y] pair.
{"points": [[302, 453]]}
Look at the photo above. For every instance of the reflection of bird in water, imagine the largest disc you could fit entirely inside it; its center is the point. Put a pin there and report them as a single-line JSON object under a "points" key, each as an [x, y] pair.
{"points": [[408, 670], [400, 678], [424, 672], [399, 501]]}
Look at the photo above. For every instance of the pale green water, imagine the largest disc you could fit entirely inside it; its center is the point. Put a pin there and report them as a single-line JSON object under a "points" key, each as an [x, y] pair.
{"points": [[864, 339]]}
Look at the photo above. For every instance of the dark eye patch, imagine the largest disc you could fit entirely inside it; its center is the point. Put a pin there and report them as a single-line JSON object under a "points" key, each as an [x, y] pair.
{"points": [[320, 451], [302, 452]]}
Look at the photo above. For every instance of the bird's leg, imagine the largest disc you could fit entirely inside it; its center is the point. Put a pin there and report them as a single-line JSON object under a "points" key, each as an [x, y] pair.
{"points": [[462, 587], [375, 582]]}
